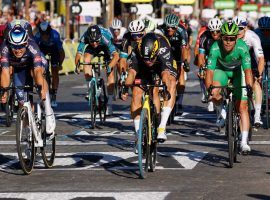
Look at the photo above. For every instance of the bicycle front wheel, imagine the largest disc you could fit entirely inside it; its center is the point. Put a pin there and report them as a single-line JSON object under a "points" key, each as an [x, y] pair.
{"points": [[48, 149], [143, 146], [25, 141], [229, 133], [92, 103], [102, 99]]}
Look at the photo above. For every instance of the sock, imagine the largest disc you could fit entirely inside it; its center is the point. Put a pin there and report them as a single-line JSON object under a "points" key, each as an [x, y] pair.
{"points": [[110, 98], [223, 112], [136, 126], [258, 110], [47, 105], [244, 137], [165, 113], [180, 99]]}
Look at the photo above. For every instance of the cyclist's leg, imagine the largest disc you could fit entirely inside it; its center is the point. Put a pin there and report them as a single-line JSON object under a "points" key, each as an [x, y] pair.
{"points": [[55, 76], [242, 107], [220, 79]]}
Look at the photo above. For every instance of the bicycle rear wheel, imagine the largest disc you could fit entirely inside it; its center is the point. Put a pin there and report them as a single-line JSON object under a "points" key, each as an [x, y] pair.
{"points": [[115, 88], [102, 99], [48, 149], [143, 146], [25, 141], [229, 133], [92, 103]]}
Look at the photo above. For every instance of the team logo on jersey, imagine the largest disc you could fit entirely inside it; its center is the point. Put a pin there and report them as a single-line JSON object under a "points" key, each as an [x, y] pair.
{"points": [[37, 59], [162, 50], [167, 56]]}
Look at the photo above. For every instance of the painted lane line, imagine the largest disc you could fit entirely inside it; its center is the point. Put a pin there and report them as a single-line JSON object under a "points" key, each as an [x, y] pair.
{"points": [[75, 195]]}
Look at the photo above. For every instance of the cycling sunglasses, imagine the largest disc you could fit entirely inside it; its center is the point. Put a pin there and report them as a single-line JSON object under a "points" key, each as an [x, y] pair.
{"points": [[116, 30], [95, 41], [17, 47], [241, 28], [137, 35], [215, 32], [229, 38], [171, 27]]}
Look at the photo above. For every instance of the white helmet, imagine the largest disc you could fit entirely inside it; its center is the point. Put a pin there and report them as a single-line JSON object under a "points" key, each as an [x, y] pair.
{"points": [[136, 26], [116, 24], [214, 24], [240, 21]]}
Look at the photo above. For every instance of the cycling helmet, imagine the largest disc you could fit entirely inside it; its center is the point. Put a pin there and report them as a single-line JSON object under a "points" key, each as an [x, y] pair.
{"points": [[149, 25], [172, 20], [229, 28], [116, 24], [94, 33], [264, 22], [214, 24], [18, 36], [149, 47], [45, 27], [136, 26], [240, 21]]}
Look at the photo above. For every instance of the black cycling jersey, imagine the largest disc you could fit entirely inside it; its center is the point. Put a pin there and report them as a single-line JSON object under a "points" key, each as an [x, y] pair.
{"points": [[177, 41], [128, 44], [206, 41], [164, 61]]}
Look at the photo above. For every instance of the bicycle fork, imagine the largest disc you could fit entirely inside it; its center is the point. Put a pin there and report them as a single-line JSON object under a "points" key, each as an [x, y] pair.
{"points": [[33, 125]]}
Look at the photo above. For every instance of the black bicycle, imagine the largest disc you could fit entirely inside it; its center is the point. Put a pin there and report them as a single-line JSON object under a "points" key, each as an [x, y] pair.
{"points": [[266, 98], [232, 126]]}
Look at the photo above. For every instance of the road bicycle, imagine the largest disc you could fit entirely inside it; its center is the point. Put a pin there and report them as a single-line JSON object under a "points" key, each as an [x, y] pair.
{"points": [[30, 132], [266, 91], [232, 123], [147, 135], [97, 91]]}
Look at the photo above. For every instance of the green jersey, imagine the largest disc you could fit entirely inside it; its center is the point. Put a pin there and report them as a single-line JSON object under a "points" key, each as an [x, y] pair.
{"points": [[219, 59]]}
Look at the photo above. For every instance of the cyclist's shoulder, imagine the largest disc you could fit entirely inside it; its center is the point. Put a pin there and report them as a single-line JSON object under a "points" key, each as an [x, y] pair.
{"points": [[241, 44]]}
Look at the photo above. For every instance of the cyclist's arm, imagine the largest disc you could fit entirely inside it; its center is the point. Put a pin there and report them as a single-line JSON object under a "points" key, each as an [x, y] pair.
{"points": [[211, 64], [59, 44], [201, 56], [246, 64], [5, 65], [79, 53], [114, 59], [184, 43], [257, 47]]}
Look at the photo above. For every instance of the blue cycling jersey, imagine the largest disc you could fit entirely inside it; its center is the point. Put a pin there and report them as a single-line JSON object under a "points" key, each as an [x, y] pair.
{"points": [[54, 40], [265, 41], [106, 41]]}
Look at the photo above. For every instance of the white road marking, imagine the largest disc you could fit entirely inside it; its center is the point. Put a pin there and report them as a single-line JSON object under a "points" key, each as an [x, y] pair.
{"points": [[70, 161], [73, 195]]}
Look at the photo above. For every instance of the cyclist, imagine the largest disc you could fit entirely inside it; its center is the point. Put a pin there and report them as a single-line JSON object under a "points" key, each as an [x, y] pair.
{"points": [[23, 54], [257, 63], [204, 27], [152, 56], [49, 42], [117, 31], [136, 30], [98, 40], [263, 31], [229, 59], [206, 41], [178, 40]]}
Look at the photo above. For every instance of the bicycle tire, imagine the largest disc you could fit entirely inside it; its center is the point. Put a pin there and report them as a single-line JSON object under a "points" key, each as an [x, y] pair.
{"points": [[153, 147], [92, 103], [143, 146], [27, 156], [9, 109], [115, 87], [103, 99], [251, 119], [266, 92], [49, 146], [230, 135]]}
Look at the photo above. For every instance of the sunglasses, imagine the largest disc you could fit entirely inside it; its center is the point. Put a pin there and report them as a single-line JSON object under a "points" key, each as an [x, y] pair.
{"points": [[137, 35], [116, 30], [17, 47], [95, 41], [229, 38], [241, 28], [215, 32], [171, 27]]}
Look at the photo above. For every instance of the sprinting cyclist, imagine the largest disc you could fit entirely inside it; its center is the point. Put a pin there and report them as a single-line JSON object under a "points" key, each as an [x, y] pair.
{"points": [[178, 39], [206, 41], [117, 31], [98, 39], [49, 42], [229, 59], [257, 63], [23, 54], [152, 56]]}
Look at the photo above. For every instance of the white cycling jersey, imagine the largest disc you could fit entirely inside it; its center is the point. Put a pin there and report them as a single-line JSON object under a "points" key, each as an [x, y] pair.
{"points": [[253, 41], [122, 32]]}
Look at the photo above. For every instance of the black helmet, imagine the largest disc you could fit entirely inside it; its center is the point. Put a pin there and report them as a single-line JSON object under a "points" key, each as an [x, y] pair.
{"points": [[149, 46], [94, 33]]}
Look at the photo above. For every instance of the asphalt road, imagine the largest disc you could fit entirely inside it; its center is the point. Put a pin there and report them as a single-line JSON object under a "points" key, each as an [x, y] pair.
{"points": [[100, 164]]}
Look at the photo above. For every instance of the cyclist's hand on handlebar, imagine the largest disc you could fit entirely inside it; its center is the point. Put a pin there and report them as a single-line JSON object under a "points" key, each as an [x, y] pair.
{"points": [[3, 97], [124, 93]]}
